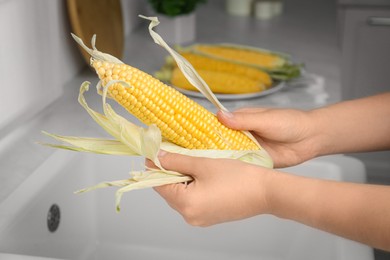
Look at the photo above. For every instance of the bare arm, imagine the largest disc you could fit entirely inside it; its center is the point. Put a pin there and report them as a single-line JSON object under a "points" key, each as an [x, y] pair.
{"points": [[353, 126], [360, 212], [226, 190]]}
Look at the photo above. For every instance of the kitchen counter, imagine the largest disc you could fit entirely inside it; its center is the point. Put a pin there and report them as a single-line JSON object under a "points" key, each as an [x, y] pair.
{"points": [[309, 36]]}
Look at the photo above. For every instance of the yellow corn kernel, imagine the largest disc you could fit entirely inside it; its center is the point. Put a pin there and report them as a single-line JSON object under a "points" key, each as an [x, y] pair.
{"points": [[180, 119], [202, 62], [253, 57], [219, 82]]}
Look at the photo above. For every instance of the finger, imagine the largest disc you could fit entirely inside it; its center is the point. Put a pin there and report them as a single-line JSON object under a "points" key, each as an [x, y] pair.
{"points": [[171, 190], [149, 164], [250, 110], [173, 194], [168, 191], [181, 163]]}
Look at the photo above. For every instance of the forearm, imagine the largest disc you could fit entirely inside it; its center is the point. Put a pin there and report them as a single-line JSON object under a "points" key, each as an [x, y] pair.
{"points": [[353, 126], [356, 211]]}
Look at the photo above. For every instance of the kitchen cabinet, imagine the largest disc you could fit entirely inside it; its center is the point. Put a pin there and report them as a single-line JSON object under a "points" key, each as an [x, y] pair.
{"points": [[365, 68], [365, 41]]}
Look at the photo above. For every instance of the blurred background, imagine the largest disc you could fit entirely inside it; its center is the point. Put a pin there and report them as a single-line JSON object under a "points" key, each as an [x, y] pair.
{"points": [[344, 46]]}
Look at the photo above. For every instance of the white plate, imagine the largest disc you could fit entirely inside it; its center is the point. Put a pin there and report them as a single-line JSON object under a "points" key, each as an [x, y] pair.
{"points": [[273, 89]]}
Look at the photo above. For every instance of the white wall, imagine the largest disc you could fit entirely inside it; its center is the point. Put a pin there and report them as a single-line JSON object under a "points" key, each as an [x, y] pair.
{"points": [[130, 10], [36, 56]]}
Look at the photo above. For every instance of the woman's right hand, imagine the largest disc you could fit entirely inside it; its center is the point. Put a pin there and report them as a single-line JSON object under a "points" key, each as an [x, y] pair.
{"points": [[294, 136], [286, 134]]}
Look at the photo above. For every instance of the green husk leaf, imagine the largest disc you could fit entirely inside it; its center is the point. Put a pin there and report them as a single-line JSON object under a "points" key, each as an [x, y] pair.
{"points": [[287, 72]]}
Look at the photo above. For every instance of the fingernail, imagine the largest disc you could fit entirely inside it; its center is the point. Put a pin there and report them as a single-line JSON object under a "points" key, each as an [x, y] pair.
{"points": [[227, 114], [161, 153]]}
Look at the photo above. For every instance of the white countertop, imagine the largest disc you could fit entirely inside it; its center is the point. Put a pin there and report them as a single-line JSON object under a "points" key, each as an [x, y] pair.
{"points": [[306, 30]]}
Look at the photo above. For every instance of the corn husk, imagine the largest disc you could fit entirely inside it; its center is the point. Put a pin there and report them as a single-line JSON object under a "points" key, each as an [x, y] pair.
{"points": [[130, 139]]}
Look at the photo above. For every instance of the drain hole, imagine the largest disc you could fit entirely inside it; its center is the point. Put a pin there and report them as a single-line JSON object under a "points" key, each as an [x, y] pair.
{"points": [[53, 218]]}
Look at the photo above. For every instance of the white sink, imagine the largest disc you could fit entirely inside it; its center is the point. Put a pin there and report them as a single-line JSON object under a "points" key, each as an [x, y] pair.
{"points": [[147, 228]]}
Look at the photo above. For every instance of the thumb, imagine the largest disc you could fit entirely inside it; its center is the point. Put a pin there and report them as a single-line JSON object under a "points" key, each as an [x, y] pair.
{"points": [[241, 120], [184, 164]]}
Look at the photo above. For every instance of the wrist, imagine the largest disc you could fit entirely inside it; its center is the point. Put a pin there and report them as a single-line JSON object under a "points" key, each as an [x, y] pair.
{"points": [[291, 197], [268, 188], [319, 132], [257, 190]]}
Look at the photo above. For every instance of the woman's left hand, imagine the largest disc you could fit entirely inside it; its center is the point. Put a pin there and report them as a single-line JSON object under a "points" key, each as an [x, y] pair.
{"points": [[222, 190]]}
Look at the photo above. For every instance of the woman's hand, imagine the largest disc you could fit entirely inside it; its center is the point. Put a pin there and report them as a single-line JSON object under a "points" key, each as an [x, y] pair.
{"points": [[286, 134], [294, 136], [226, 190], [223, 189]]}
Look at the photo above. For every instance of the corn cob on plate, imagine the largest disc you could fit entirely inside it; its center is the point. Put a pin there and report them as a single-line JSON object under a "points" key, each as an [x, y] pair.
{"points": [[175, 122], [278, 65], [232, 71]]}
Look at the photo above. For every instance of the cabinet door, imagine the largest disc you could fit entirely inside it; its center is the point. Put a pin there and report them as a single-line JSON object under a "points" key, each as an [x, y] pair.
{"points": [[366, 52]]}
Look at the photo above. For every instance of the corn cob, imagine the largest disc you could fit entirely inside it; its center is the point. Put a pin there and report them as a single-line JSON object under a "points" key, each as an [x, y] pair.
{"points": [[223, 77], [157, 104], [219, 82], [242, 55], [278, 65], [201, 62], [180, 119]]}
